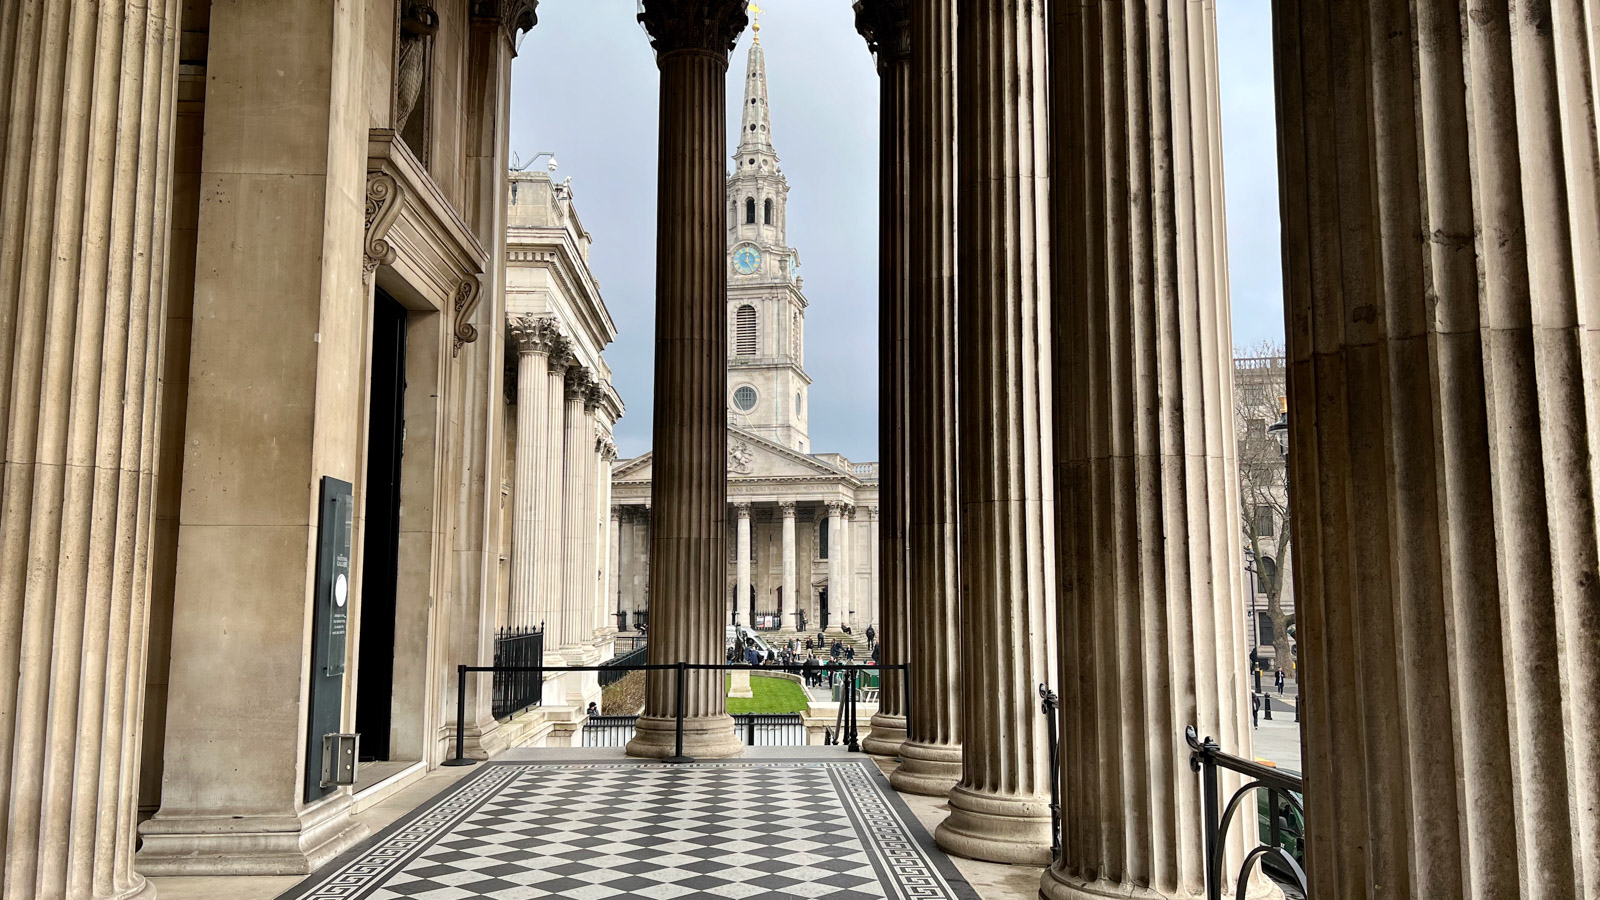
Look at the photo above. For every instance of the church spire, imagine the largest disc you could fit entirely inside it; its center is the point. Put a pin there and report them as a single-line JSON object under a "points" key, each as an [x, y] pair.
{"points": [[755, 135]]}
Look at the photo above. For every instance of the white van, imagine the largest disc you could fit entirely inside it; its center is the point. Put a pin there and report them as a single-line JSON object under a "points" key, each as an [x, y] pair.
{"points": [[742, 634]]}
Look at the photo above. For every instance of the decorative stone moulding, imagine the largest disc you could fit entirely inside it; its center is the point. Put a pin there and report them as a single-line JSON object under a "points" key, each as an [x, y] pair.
{"points": [[417, 247]]}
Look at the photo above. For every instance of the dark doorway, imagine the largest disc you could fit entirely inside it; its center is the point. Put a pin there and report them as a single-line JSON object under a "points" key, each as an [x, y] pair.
{"points": [[822, 607], [381, 543]]}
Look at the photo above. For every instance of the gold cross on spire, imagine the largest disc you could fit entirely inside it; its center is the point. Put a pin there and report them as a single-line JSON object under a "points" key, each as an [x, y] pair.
{"points": [[756, 11]]}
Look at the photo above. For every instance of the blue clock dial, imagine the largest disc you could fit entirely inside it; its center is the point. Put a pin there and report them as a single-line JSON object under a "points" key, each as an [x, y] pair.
{"points": [[747, 260]]}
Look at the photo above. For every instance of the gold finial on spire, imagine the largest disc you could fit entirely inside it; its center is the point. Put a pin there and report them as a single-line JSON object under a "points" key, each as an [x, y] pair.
{"points": [[756, 11]]}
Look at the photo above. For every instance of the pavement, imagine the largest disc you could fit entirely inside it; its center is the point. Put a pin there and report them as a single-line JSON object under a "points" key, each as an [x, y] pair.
{"points": [[1278, 740]]}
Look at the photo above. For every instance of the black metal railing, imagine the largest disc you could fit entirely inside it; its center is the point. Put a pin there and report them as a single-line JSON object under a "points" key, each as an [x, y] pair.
{"points": [[520, 653], [1283, 846], [846, 724], [610, 675], [609, 731], [767, 621], [1047, 705], [770, 729]]}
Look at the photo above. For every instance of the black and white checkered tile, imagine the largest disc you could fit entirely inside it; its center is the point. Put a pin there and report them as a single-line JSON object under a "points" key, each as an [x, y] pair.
{"points": [[703, 831]]}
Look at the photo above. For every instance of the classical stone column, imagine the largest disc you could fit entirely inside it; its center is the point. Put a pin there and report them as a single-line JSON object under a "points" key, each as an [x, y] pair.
{"points": [[1149, 609], [930, 758], [688, 486], [576, 617], [532, 339], [590, 595], [847, 565], [741, 591], [613, 598], [1001, 809], [788, 620], [85, 201], [835, 565], [551, 582], [1443, 431], [886, 24]]}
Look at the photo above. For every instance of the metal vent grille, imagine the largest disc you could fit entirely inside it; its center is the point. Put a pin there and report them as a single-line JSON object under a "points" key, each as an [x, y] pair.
{"points": [[744, 331]]}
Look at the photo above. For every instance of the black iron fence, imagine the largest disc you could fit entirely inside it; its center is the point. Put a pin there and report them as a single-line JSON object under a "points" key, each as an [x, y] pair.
{"points": [[608, 731], [846, 723], [618, 668], [518, 670], [638, 620], [770, 729], [1282, 852]]}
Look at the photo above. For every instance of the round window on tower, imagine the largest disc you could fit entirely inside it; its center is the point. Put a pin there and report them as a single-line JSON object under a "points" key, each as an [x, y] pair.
{"points": [[745, 398], [797, 403]]}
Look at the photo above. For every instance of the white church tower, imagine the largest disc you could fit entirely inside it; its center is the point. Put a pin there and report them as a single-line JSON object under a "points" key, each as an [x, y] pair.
{"points": [[767, 382]]}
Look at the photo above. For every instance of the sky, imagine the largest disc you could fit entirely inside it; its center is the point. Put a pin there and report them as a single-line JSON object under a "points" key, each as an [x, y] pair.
{"points": [[584, 85]]}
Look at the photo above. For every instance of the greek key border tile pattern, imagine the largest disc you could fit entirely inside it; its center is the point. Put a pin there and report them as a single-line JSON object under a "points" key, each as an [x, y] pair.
{"points": [[715, 830]]}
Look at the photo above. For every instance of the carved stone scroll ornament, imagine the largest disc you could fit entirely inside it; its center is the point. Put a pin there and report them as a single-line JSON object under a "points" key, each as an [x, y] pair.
{"points": [[515, 16], [467, 297], [710, 26], [383, 207]]}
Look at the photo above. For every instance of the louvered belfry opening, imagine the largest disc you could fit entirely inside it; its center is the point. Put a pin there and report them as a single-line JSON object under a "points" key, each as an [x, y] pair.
{"points": [[745, 331]]}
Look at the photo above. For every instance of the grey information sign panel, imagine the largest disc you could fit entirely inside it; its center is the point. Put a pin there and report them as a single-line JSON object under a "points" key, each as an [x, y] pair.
{"points": [[330, 626]]}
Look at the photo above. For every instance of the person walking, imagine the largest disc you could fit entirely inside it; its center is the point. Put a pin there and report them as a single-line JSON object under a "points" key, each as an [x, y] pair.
{"points": [[872, 635], [1255, 710], [850, 654], [1280, 679]]}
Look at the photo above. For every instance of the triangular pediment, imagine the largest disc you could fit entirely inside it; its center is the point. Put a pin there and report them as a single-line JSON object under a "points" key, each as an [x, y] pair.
{"points": [[750, 457]]}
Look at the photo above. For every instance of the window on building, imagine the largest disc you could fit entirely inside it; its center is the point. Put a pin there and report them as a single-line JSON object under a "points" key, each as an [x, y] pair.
{"points": [[1266, 522], [749, 210], [769, 212], [1267, 574], [1264, 632], [744, 331], [822, 537], [745, 398]]}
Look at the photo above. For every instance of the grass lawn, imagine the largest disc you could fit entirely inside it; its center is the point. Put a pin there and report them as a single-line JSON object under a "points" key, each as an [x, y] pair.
{"points": [[772, 695]]}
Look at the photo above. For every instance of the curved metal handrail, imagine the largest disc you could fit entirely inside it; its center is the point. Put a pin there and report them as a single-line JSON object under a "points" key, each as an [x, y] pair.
{"points": [[1206, 757], [1263, 851]]}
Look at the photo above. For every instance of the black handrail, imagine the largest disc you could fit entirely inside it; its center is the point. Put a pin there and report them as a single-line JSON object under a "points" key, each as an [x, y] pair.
{"points": [[849, 721], [1206, 757], [514, 692], [1047, 705]]}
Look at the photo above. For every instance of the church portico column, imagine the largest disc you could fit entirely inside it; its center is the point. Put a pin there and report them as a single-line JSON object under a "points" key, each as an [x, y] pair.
{"points": [[688, 486], [613, 599], [741, 591], [835, 565], [789, 620], [550, 580], [1150, 615], [1001, 809], [86, 158], [532, 339], [576, 616], [930, 758]]}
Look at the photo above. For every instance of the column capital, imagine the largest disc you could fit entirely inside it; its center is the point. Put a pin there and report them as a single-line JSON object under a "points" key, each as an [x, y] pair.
{"points": [[534, 336], [616, 512], [578, 379], [742, 510], [607, 449], [512, 16], [872, 513], [594, 394], [709, 26], [849, 512], [886, 24], [560, 353], [835, 507], [786, 508]]}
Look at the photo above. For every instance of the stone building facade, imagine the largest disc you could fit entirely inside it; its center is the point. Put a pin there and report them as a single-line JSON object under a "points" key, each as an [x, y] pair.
{"points": [[805, 525], [252, 268], [1261, 395]]}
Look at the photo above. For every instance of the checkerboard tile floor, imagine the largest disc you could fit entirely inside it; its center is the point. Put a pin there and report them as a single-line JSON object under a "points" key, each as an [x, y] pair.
{"points": [[595, 831]]}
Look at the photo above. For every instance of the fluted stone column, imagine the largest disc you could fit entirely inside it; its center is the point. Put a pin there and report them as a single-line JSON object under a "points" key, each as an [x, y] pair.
{"points": [[613, 598], [550, 580], [1444, 434], [82, 268], [1001, 809], [886, 24], [589, 597], [532, 338], [741, 591], [1149, 611], [791, 584], [847, 565], [836, 590], [930, 758], [688, 485], [576, 617]]}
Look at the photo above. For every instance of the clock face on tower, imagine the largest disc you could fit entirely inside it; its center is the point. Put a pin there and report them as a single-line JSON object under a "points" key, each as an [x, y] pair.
{"points": [[747, 260]]}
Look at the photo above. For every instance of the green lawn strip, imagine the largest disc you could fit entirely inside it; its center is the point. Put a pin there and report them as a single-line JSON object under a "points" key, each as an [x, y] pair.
{"points": [[772, 695]]}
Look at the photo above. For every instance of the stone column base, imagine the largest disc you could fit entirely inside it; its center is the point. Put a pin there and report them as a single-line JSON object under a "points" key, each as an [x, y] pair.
{"points": [[888, 733], [996, 828], [1055, 884], [927, 769], [220, 844], [704, 737], [140, 890]]}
